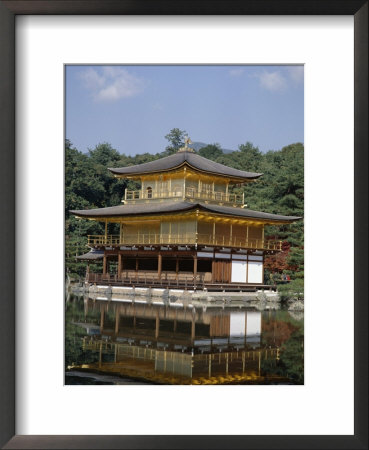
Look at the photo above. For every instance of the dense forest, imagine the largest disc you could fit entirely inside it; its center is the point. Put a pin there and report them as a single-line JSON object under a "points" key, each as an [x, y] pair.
{"points": [[88, 184]]}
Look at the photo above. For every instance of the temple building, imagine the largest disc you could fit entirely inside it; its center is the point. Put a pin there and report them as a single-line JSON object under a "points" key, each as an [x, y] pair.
{"points": [[184, 227]]}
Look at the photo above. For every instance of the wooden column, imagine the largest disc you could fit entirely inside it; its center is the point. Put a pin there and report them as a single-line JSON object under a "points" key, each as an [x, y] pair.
{"points": [[121, 233], [193, 329], [100, 354], [247, 269], [119, 265], [262, 236], [136, 264], [159, 265], [195, 266], [104, 264], [106, 231], [117, 317], [157, 325], [263, 268], [102, 316]]}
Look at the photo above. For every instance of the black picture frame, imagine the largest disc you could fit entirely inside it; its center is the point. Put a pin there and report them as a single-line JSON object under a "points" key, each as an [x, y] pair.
{"points": [[8, 12]]}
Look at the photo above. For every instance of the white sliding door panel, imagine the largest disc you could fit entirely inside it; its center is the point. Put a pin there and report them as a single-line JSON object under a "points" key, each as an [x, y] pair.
{"points": [[255, 272], [253, 323], [239, 271]]}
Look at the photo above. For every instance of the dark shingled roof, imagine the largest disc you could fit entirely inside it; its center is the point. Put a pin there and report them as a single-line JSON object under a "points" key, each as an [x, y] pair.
{"points": [[168, 207], [248, 213], [92, 255], [136, 209], [185, 157]]}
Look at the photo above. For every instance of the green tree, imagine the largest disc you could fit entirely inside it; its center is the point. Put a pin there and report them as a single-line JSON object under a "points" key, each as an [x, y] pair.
{"points": [[211, 151], [104, 154], [176, 139]]}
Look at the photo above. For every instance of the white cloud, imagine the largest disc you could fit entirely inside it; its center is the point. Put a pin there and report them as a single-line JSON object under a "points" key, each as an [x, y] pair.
{"points": [[111, 83], [296, 73], [91, 79], [236, 72], [272, 81]]}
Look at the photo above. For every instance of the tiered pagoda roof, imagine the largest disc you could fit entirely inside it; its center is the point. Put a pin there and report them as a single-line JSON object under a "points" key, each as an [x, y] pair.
{"points": [[169, 207], [185, 158]]}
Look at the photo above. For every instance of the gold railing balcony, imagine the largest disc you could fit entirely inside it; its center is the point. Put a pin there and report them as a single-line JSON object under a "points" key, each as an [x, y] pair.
{"points": [[188, 192], [183, 239]]}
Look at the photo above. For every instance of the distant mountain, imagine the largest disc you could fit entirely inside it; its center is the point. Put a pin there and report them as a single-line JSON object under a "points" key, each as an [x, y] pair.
{"points": [[197, 145]]}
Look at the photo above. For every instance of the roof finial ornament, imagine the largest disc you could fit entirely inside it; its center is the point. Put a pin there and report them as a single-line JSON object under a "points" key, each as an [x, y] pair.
{"points": [[186, 148], [187, 141]]}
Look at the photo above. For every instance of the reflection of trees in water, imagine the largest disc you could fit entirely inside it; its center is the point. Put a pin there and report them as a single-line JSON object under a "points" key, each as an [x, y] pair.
{"points": [[277, 332], [297, 315], [74, 353], [291, 359], [286, 331]]}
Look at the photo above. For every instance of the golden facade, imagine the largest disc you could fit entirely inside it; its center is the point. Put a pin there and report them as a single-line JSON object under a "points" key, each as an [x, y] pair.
{"points": [[186, 226]]}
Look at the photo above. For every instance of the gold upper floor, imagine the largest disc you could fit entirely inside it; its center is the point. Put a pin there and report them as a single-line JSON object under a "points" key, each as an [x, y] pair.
{"points": [[187, 229], [185, 184]]}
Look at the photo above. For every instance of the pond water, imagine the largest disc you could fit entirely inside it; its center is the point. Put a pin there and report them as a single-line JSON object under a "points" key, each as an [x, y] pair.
{"points": [[133, 340]]}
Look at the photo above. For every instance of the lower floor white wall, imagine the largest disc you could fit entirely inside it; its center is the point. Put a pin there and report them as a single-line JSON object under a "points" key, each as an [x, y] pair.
{"points": [[247, 272], [255, 272], [239, 271]]}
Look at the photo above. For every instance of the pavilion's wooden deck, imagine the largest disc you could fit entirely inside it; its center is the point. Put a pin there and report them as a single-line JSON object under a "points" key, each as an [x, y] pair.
{"points": [[171, 280]]}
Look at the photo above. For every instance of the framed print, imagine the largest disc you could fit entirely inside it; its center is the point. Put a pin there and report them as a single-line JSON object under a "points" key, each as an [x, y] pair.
{"points": [[41, 44], [194, 292]]}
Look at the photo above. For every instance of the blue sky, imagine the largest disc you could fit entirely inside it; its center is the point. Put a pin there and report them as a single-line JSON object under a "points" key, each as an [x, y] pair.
{"points": [[134, 107]]}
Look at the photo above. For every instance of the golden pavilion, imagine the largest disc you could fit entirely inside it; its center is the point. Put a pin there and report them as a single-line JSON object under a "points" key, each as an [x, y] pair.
{"points": [[184, 228]]}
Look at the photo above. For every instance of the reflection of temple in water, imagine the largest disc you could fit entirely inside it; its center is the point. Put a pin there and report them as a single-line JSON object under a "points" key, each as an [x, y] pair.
{"points": [[177, 343]]}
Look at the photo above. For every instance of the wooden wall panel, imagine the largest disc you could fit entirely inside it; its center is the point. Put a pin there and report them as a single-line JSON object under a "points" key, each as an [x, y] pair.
{"points": [[222, 271], [219, 326]]}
